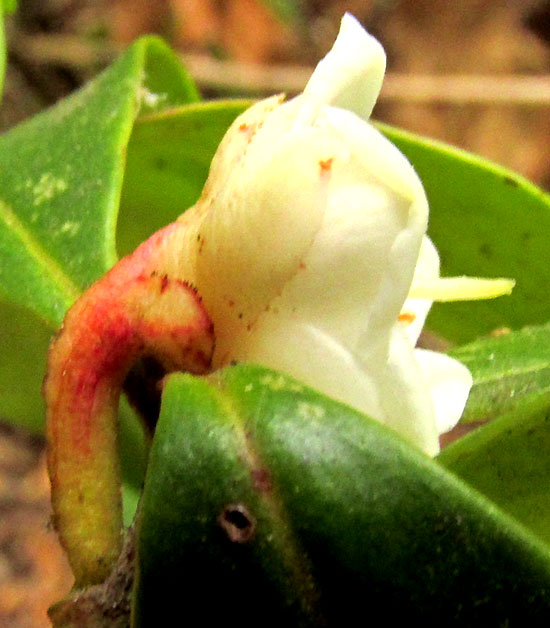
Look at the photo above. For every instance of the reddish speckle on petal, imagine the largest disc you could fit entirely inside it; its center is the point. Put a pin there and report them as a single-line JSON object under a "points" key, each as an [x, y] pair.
{"points": [[406, 318], [326, 165], [249, 130]]}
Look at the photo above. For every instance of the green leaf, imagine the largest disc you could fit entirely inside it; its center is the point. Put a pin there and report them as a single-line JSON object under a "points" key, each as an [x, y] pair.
{"points": [[24, 340], [508, 460], [8, 5], [267, 502], [61, 176], [485, 221], [508, 370]]}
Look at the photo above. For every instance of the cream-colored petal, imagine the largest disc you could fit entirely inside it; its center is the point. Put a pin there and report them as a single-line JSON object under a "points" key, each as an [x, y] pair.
{"points": [[362, 260], [311, 356], [340, 276], [305, 240], [404, 395], [375, 156], [351, 74], [449, 383], [260, 225], [373, 342], [236, 142], [414, 311]]}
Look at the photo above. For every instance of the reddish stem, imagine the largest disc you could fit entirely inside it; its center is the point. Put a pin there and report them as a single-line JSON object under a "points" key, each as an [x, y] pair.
{"points": [[135, 310]]}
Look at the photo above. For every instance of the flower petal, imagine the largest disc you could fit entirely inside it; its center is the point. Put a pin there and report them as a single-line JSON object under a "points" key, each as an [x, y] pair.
{"points": [[414, 311], [449, 383], [351, 74], [367, 224], [273, 200], [311, 356], [404, 395], [340, 276]]}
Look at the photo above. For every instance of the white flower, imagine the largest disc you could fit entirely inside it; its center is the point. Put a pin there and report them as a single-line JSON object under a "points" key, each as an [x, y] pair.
{"points": [[307, 239]]}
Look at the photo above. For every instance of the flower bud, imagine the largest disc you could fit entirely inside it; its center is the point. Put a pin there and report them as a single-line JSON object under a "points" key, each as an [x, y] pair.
{"points": [[310, 231]]}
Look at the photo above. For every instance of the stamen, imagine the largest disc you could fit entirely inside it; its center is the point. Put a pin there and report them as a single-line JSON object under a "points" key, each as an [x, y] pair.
{"points": [[460, 288]]}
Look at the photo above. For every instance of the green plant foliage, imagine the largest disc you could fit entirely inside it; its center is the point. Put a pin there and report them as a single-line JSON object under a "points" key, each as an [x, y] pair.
{"points": [[485, 221], [8, 6], [508, 461], [508, 370], [61, 177], [262, 494], [60, 180]]}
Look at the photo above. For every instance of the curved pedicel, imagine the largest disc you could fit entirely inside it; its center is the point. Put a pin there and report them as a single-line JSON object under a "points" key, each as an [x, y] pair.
{"points": [[135, 310]]}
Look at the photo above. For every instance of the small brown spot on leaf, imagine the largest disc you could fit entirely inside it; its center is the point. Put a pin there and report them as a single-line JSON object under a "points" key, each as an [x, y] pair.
{"points": [[238, 523], [500, 331]]}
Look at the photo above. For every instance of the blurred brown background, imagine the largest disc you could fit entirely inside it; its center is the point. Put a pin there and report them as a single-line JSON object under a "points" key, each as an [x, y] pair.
{"points": [[475, 73]]}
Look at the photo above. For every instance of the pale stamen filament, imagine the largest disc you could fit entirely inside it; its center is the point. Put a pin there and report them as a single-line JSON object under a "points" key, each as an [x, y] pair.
{"points": [[460, 288]]}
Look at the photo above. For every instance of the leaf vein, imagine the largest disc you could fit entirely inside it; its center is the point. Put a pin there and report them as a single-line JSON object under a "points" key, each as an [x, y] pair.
{"points": [[37, 253]]}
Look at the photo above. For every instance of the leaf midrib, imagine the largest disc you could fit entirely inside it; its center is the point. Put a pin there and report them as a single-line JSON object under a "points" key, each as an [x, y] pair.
{"points": [[513, 373], [294, 557], [36, 251]]}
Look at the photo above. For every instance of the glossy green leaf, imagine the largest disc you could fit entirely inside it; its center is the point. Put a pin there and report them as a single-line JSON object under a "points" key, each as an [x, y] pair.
{"points": [[24, 340], [485, 221], [508, 371], [60, 182], [268, 504], [8, 5], [508, 460]]}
